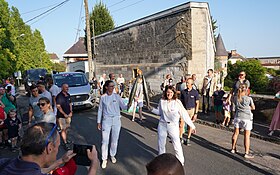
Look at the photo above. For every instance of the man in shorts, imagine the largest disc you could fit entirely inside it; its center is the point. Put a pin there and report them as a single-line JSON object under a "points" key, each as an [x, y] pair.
{"points": [[64, 113]]}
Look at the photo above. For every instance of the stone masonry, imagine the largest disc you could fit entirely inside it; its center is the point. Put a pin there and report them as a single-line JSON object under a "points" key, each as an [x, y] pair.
{"points": [[177, 41]]}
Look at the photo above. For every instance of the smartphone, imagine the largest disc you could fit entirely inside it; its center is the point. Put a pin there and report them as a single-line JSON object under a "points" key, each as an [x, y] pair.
{"points": [[81, 157]]}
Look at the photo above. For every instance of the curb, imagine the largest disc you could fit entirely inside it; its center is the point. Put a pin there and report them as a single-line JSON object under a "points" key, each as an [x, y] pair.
{"points": [[231, 129]]}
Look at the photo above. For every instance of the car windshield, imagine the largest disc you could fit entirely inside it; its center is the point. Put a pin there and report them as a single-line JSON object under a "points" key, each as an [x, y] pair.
{"points": [[35, 74], [73, 80]]}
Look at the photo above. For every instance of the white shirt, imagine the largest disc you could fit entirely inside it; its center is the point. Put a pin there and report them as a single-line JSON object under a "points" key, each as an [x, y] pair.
{"points": [[54, 90], [48, 95], [109, 106], [120, 80], [13, 89], [139, 92], [171, 111]]}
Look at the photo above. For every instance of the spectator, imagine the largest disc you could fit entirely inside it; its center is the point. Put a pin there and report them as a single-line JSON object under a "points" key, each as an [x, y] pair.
{"points": [[101, 83], [7, 99], [179, 86], [12, 85], [170, 109], [112, 78], [195, 84], [227, 109], [243, 119], [94, 87], [108, 121], [167, 81], [40, 144], [121, 81], [217, 101], [64, 113], [42, 90], [54, 90], [138, 99], [275, 122], [208, 87], [3, 116], [190, 100], [45, 106], [165, 164], [34, 111], [14, 125]]}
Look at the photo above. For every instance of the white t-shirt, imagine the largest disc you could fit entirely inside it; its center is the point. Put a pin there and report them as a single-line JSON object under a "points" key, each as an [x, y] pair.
{"points": [[54, 90]]}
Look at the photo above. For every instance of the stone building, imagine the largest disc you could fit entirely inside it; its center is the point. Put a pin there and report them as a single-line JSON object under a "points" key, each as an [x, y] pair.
{"points": [[221, 60], [176, 41]]}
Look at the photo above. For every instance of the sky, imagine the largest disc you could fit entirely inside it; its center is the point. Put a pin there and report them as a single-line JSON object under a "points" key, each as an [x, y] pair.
{"points": [[252, 27]]}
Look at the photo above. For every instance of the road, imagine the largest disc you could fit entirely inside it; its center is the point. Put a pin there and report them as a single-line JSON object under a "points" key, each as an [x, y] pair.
{"points": [[208, 153]]}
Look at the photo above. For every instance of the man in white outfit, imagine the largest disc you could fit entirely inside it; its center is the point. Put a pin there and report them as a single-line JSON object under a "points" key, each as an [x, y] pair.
{"points": [[54, 90]]}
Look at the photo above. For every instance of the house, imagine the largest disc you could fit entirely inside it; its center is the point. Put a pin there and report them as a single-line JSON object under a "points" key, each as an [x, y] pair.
{"points": [[268, 62], [54, 58]]}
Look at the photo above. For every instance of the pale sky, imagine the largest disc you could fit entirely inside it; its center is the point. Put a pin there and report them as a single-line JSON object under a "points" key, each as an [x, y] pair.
{"points": [[252, 27]]}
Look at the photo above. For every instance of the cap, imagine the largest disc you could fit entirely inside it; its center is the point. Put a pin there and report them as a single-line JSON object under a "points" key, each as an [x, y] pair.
{"points": [[219, 86]]}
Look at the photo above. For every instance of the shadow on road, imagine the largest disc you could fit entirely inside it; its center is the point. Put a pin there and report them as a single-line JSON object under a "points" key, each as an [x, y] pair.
{"points": [[226, 152]]}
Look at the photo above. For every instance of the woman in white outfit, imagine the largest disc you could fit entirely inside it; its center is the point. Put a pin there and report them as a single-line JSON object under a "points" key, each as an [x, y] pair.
{"points": [[108, 121], [170, 109]]}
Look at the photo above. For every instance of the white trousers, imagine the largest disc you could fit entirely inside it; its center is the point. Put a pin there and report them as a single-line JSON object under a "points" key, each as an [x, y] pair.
{"points": [[110, 124], [173, 130]]}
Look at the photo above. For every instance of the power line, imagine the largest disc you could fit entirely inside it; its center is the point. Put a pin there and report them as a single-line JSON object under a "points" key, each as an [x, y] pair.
{"points": [[127, 6], [116, 3], [47, 11], [39, 9], [79, 23]]}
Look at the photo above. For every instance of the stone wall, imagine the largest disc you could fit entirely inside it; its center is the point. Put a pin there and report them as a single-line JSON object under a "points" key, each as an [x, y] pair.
{"points": [[158, 45]]}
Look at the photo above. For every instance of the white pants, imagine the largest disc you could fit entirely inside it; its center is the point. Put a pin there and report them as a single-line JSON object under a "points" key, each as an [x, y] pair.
{"points": [[108, 124], [173, 130]]}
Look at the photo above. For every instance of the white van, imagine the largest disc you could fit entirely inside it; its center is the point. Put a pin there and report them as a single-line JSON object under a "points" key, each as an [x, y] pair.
{"points": [[79, 88]]}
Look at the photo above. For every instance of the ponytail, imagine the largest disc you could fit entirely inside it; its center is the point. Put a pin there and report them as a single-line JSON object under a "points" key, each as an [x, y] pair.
{"points": [[242, 88]]}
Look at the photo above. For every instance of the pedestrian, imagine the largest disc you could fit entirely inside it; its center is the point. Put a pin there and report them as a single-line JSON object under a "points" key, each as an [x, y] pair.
{"points": [[112, 78], [208, 87], [195, 84], [64, 113], [165, 164], [7, 99], [54, 90], [227, 109], [167, 82], [190, 100], [243, 119], [34, 111], [3, 116], [45, 106], [39, 148], [138, 100], [179, 86], [120, 82], [43, 91], [12, 85], [234, 91], [275, 122], [101, 83], [217, 101], [94, 87], [13, 125], [108, 121], [170, 109]]}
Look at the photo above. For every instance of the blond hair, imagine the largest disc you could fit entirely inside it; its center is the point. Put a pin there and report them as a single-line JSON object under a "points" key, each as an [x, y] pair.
{"points": [[242, 88]]}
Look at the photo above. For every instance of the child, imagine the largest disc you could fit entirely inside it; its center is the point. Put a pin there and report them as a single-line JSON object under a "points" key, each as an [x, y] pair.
{"points": [[2, 125], [13, 124], [217, 100], [226, 106]]}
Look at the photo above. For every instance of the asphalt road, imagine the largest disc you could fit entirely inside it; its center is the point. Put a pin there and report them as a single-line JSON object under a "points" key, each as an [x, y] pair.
{"points": [[208, 153]]}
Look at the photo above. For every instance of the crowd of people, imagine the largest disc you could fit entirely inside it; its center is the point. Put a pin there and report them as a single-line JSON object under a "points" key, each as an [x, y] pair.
{"points": [[50, 111]]}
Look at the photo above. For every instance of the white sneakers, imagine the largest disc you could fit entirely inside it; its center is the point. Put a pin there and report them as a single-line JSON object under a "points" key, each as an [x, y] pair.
{"points": [[104, 162], [113, 159]]}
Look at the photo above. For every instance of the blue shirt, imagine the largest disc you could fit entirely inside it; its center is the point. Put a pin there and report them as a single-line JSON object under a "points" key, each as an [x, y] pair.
{"points": [[189, 98], [17, 166]]}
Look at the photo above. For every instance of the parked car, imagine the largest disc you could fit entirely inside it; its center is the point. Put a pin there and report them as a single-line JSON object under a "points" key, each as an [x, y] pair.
{"points": [[79, 88], [32, 76]]}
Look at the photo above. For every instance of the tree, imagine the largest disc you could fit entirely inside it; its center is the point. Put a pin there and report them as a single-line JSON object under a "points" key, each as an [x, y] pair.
{"points": [[59, 67], [103, 21], [214, 26], [255, 73]]}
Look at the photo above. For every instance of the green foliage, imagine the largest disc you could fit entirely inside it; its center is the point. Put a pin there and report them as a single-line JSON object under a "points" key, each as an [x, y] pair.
{"points": [[103, 21], [59, 67], [20, 47], [214, 26], [255, 73]]}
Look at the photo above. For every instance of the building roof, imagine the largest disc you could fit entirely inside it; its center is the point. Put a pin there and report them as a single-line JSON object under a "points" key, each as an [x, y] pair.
{"points": [[220, 47], [53, 56], [77, 49], [264, 58]]}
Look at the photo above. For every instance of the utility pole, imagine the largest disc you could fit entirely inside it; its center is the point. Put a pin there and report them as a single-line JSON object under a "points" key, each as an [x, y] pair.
{"points": [[90, 74], [94, 51]]}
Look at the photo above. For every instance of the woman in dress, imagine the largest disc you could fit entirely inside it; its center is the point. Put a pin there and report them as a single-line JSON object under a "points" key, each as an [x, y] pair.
{"points": [[170, 109], [108, 121], [243, 119], [48, 114], [275, 122]]}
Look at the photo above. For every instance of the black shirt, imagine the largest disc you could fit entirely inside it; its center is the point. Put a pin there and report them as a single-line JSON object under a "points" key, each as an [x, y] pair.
{"points": [[13, 127], [189, 98], [64, 102], [218, 97]]}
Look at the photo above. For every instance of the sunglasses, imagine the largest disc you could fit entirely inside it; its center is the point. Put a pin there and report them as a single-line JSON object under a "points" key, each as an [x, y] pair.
{"points": [[41, 104], [51, 133]]}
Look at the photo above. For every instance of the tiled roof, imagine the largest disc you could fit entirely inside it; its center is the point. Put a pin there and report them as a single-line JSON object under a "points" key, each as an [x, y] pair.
{"points": [[220, 47], [53, 56], [77, 48]]}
